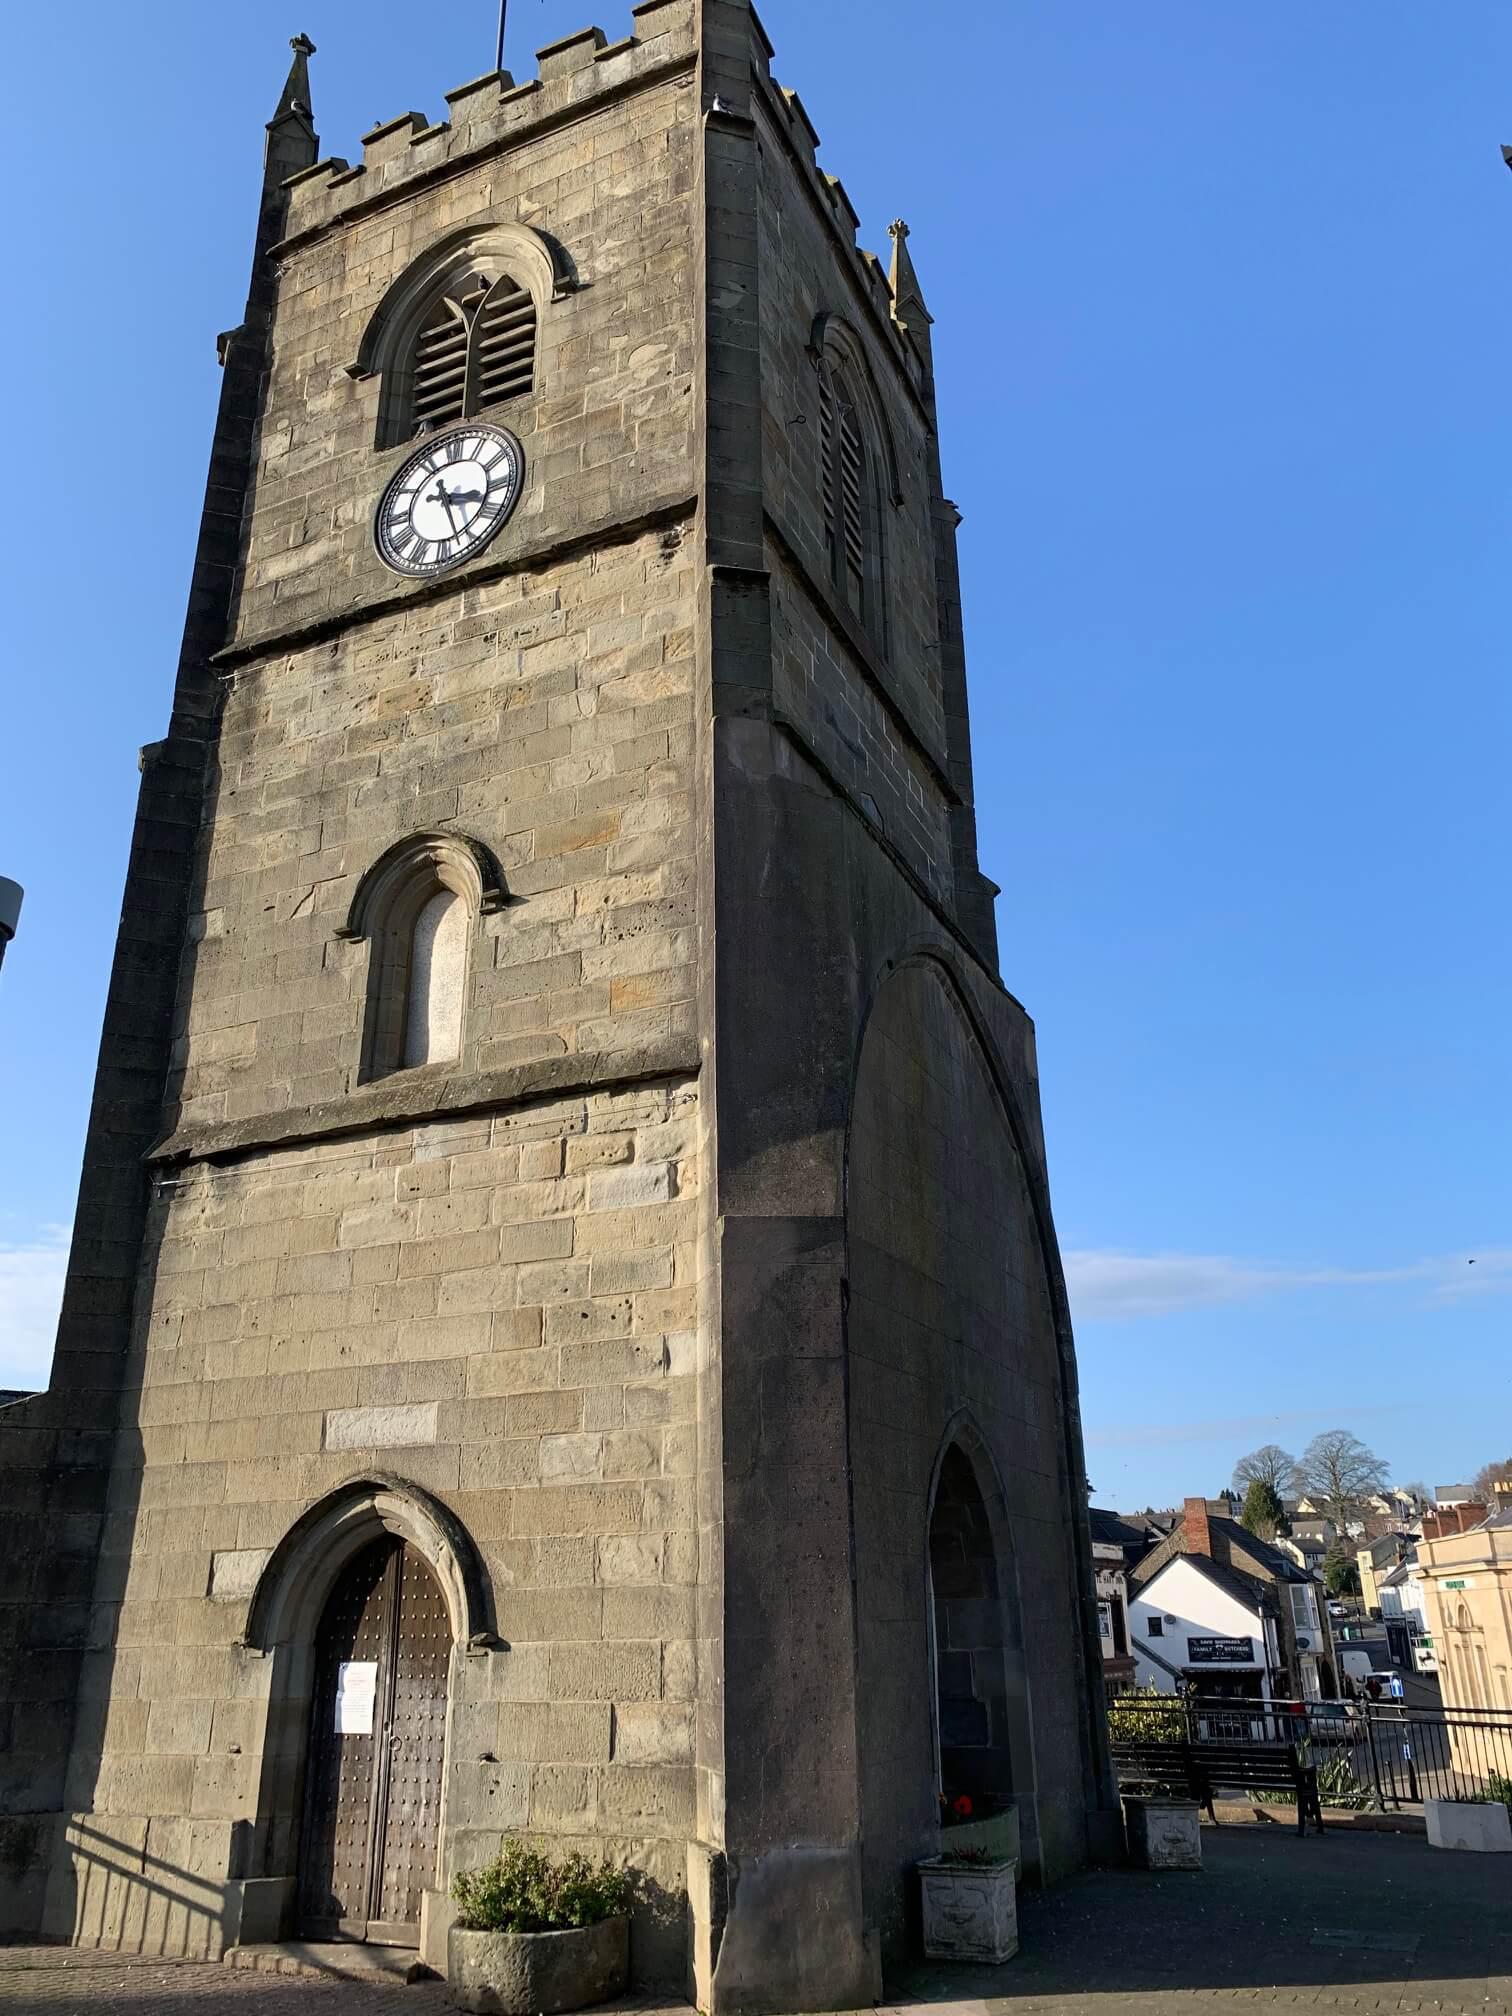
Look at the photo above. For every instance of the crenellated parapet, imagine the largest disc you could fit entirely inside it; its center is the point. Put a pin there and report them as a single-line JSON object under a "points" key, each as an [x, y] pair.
{"points": [[789, 116], [492, 114]]}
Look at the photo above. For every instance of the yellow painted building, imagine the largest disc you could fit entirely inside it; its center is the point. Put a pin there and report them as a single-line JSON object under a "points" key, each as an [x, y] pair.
{"points": [[1466, 1557]]}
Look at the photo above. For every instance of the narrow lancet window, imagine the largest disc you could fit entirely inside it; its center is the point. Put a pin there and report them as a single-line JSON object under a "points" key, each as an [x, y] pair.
{"points": [[418, 907], [437, 978]]}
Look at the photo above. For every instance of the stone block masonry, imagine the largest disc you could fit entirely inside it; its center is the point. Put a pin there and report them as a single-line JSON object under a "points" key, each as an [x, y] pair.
{"points": [[547, 1403], [552, 720]]}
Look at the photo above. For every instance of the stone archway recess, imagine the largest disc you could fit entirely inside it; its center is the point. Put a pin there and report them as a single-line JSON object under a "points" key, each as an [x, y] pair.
{"points": [[952, 1319], [280, 1634], [983, 1731]]}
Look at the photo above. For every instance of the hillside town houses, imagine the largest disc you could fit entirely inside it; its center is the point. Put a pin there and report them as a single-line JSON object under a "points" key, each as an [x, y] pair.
{"points": [[1192, 1601]]}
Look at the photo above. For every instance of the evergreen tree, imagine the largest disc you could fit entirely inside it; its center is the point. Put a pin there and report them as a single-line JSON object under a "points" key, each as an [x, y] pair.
{"points": [[1341, 1574], [1264, 1515]]}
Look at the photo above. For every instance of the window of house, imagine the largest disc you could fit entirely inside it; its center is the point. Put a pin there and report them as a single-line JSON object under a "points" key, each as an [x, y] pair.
{"points": [[474, 349], [1304, 1616], [1155, 1628]]}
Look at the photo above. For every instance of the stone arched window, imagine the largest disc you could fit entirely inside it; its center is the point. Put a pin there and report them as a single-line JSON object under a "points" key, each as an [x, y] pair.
{"points": [[980, 1701], [458, 333], [857, 474], [418, 907]]}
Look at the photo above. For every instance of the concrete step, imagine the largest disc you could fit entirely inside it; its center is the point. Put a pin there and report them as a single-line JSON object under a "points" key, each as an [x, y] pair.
{"points": [[335, 1960]]}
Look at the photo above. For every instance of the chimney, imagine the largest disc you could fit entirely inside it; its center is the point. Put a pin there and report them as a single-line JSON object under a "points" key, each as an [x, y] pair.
{"points": [[1199, 1539], [1446, 1520]]}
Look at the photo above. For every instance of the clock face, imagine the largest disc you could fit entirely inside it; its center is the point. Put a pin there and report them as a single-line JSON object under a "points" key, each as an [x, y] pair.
{"points": [[449, 499]]}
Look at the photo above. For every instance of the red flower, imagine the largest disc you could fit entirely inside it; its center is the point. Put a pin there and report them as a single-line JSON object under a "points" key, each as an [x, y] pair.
{"points": [[962, 1807]]}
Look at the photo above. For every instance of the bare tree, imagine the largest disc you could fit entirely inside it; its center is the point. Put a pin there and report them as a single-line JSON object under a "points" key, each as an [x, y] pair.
{"points": [[1336, 1471], [1486, 1479], [1270, 1466]]}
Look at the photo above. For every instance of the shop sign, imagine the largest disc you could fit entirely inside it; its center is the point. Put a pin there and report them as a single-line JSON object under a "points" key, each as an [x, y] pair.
{"points": [[1221, 1651]]}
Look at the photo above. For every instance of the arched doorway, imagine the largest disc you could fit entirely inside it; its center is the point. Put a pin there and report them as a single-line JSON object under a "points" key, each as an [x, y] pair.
{"points": [[376, 1750], [973, 1731]]}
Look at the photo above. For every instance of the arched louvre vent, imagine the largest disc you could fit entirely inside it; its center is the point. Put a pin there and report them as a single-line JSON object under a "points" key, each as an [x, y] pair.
{"points": [[827, 463], [852, 475], [439, 381], [843, 477], [503, 364], [475, 348]]}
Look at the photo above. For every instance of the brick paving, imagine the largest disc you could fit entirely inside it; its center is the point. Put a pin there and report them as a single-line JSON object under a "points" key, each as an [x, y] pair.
{"points": [[1273, 1924], [61, 1980]]}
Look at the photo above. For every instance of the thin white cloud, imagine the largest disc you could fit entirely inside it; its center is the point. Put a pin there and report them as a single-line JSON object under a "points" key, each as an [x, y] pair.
{"points": [[1147, 1434], [1107, 1286], [31, 1292]]}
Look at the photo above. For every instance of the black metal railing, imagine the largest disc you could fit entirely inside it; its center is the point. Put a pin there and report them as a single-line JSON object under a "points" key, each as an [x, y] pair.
{"points": [[1381, 1754]]}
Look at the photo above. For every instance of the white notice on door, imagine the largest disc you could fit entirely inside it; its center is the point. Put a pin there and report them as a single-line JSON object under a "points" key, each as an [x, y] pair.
{"points": [[356, 1693]]}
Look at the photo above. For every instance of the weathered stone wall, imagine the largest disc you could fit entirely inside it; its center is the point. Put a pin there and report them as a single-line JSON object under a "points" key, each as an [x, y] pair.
{"points": [[867, 698], [821, 1483], [951, 1329], [818, 681], [607, 429], [548, 715], [500, 1310]]}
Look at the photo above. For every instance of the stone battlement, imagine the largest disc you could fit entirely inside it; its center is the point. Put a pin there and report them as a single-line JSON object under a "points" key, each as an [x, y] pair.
{"points": [[492, 113]]}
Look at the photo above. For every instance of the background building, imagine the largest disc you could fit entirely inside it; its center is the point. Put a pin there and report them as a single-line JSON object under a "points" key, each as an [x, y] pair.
{"points": [[1116, 1546], [1215, 1608], [1466, 1561]]}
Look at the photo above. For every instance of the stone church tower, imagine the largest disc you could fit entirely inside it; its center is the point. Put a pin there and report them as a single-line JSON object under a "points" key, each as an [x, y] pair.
{"points": [[564, 1333]]}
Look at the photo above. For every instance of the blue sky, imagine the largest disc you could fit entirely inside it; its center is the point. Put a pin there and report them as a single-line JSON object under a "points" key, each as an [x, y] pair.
{"points": [[1222, 299]]}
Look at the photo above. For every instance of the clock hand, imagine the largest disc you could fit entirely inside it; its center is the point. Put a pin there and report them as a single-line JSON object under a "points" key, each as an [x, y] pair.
{"points": [[442, 498]]}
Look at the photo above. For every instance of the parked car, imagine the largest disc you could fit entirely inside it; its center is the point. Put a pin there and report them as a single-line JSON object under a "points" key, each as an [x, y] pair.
{"points": [[1333, 1722]]}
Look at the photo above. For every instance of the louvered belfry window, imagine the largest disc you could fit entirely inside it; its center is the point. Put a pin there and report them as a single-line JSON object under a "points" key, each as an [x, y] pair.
{"points": [[844, 458], [438, 388], [475, 348], [503, 344]]}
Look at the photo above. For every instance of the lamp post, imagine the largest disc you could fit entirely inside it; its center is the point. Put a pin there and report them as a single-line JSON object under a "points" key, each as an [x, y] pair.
{"points": [[10, 912]]}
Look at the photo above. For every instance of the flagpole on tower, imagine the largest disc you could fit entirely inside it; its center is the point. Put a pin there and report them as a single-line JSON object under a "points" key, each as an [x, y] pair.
{"points": [[499, 58]]}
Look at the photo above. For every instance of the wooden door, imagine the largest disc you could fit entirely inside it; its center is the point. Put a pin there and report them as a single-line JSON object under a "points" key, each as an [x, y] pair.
{"points": [[373, 1781]]}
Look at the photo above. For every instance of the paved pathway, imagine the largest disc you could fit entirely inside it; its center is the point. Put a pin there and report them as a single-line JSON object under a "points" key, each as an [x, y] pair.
{"points": [[1274, 1924]]}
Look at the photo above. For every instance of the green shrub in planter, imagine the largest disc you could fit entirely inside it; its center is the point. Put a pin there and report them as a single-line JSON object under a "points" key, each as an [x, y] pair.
{"points": [[1499, 1790], [522, 1890]]}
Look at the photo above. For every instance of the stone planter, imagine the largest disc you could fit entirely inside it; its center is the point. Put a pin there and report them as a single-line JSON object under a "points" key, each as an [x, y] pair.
{"points": [[537, 1973], [1484, 1829], [999, 1836], [970, 1910], [1163, 1833]]}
